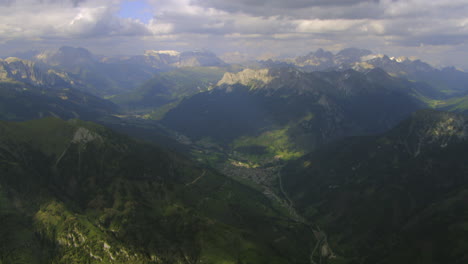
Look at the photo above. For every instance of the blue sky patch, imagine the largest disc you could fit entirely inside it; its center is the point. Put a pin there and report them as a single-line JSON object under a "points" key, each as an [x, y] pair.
{"points": [[136, 9]]}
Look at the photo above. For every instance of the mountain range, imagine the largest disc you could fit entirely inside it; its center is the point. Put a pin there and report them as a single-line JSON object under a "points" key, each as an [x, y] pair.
{"points": [[75, 192], [398, 197], [448, 79], [30, 91], [178, 157], [107, 76], [297, 110]]}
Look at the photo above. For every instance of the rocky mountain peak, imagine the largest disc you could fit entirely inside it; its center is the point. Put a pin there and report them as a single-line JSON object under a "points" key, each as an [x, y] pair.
{"points": [[323, 60], [318, 58], [84, 135], [11, 60], [199, 58], [322, 53], [32, 73], [350, 55], [247, 77], [354, 52], [427, 129], [172, 53], [437, 124], [66, 56], [13, 68], [281, 77]]}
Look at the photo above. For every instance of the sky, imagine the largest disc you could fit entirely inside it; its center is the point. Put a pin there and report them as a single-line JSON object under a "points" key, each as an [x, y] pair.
{"points": [[435, 31]]}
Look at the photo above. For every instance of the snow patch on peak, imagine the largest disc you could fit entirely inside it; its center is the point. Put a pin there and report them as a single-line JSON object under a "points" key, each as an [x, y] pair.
{"points": [[400, 59], [160, 52], [372, 56]]}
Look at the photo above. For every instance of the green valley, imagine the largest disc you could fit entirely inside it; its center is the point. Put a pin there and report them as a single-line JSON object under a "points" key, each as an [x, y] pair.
{"points": [[84, 194], [178, 157], [392, 198]]}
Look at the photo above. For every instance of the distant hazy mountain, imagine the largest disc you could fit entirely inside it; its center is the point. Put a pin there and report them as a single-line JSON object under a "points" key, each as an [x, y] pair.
{"points": [[385, 179], [169, 59], [395, 198], [14, 69], [350, 55], [91, 74], [199, 58], [323, 60], [75, 192], [448, 80], [30, 90], [320, 60], [67, 57], [166, 89], [107, 76], [21, 101], [295, 109]]}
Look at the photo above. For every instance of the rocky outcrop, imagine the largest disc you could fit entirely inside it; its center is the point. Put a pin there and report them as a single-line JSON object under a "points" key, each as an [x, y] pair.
{"points": [[429, 129], [83, 135], [247, 77], [15, 69], [167, 59]]}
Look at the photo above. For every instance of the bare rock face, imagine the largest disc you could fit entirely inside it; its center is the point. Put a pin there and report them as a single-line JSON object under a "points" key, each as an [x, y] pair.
{"points": [[168, 59], [66, 57], [15, 69], [430, 129], [320, 58], [198, 58], [83, 135], [247, 77]]}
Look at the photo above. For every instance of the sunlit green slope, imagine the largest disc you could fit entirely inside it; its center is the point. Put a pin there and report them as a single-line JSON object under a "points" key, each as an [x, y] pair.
{"points": [[75, 192]]}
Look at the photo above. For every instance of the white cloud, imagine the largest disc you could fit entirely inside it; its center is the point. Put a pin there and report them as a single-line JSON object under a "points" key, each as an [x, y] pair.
{"points": [[325, 26], [65, 19], [245, 25]]}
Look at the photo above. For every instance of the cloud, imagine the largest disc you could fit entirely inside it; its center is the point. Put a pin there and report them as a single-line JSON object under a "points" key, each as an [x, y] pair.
{"points": [[65, 19], [42, 2], [274, 7], [246, 26], [101, 21]]}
